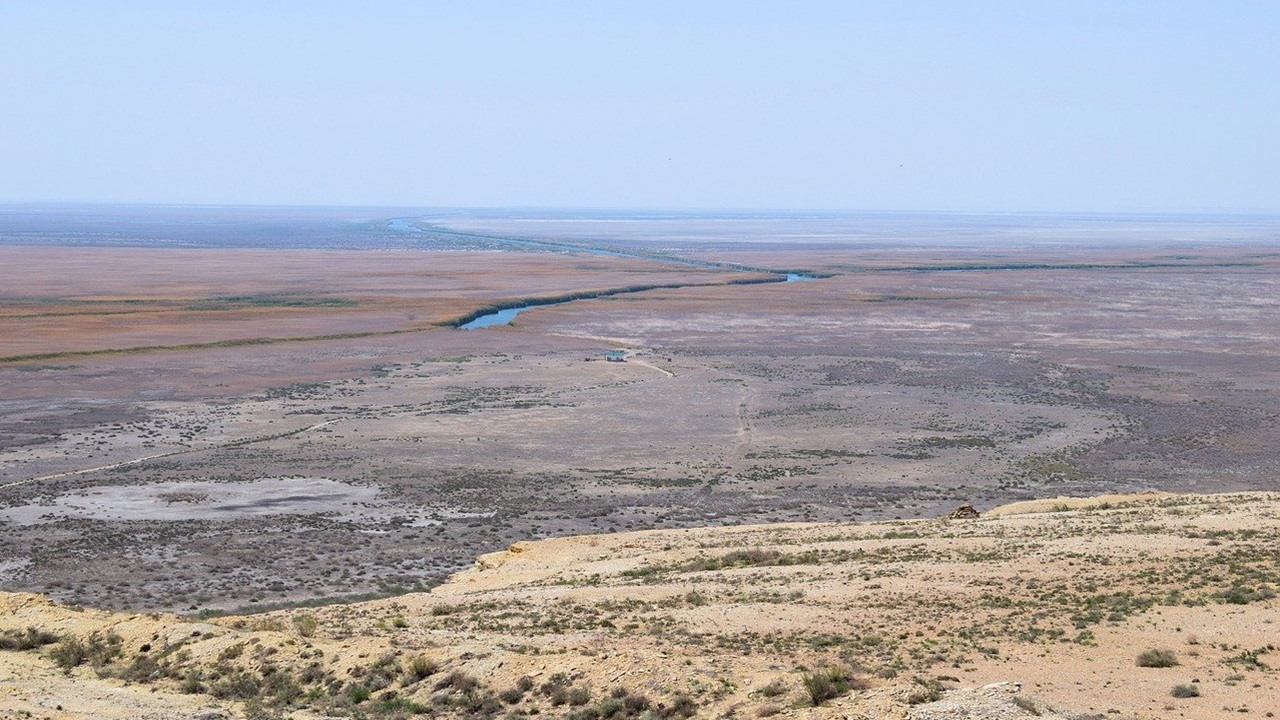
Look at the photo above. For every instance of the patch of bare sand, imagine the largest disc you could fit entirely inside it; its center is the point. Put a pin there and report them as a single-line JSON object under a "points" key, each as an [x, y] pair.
{"points": [[1062, 503]]}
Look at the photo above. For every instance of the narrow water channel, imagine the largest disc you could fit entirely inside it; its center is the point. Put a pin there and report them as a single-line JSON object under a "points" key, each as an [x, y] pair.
{"points": [[501, 317], [507, 315]]}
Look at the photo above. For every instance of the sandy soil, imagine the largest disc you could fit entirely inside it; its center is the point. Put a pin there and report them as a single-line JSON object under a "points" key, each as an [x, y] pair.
{"points": [[1056, 604]]}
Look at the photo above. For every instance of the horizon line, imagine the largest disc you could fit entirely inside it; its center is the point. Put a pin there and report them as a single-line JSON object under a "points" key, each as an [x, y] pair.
{"points": [[633, 210]]}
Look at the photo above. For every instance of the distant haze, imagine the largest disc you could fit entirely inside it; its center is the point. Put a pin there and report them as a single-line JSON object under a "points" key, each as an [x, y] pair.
{"points": [[969, 106]]}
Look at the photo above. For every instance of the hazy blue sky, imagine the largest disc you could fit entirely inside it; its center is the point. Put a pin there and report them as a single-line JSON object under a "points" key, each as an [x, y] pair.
{"points": [[1025, 105]]}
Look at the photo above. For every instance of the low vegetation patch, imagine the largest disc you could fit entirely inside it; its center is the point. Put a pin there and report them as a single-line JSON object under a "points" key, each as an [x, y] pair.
{"points": [[29, 639], [827, 683], [1156, 658]]}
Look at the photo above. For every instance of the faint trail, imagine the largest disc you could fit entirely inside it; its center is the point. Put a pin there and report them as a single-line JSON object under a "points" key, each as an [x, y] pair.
{"points": [[186, 451], [746, 436], [664, 371], [621, 342]]}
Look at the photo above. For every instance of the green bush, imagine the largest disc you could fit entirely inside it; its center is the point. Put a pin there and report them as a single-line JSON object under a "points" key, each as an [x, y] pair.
{"points": [[69, 654], [1240, 595], [421, 668], [98, 651], [358, 694]]}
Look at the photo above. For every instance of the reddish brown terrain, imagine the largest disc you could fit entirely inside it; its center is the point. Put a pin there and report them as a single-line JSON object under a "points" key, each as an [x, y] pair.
{"points": [[213, 427]]}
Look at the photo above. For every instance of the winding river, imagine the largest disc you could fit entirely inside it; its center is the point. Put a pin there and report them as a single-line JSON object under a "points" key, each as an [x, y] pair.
{"points": [[506, 315]]}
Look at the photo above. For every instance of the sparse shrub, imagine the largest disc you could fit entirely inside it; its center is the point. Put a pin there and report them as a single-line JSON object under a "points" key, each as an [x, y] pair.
{"points": [[1156, 658], [557, 680], [306, 624], [69, 654], [1251, 659], [830, 682], [381, 673], [282, 687], [579, 696], [312, 673], [774, 689], [1240, 595], [398, 707], [421, 668], [193, 682], [27, 640], [102, 649], [143, 668], [609, 707], [751, 557], [768, 710], [928, 691], [511, 696], [634, 703], [458, 681], [479, 704], [1185, 691], [231, 652], [682, 706], [358, 694], [1027, 704], [238, 685], [255, 710], [98, 651]]}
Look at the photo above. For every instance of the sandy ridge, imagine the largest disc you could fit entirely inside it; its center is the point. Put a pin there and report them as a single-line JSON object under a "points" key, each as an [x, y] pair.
{"points": [[1032, 611]]}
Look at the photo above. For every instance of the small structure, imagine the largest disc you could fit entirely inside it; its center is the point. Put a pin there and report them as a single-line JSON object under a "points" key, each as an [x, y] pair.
{"points": [[616, 356]]}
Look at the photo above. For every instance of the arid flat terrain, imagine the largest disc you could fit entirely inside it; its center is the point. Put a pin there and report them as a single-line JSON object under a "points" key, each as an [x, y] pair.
{"points": [[1138, 606], [189, 424]]}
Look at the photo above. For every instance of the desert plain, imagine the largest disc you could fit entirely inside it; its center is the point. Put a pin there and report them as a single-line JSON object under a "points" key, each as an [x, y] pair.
{"points": [[226, 414]]}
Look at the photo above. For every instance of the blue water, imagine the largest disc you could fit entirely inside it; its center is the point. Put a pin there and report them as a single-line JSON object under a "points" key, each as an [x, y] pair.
{"points": [[502, 317], [402, 225]]}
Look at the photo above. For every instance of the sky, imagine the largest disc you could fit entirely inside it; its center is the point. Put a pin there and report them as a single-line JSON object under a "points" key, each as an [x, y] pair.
{"points": [[1031, 105]]}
